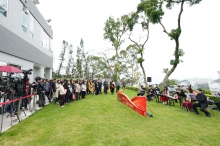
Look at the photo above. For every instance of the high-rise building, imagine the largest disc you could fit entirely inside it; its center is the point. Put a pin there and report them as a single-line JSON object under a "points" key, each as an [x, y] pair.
{"points": [[25, 38], [219, 74]]}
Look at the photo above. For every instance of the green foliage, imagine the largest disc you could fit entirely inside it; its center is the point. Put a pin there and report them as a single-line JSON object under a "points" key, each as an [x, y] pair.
{"points": [[165, 70], [174, 34], [152, 8], [171, 3], [114, 29], [181, 52], [140, 60], [175, 62], [134, 88], [170, 83], [132, 20], [140, 50]]}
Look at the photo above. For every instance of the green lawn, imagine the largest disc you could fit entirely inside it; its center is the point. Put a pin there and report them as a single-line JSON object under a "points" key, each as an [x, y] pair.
{"points": [[102, 120]]}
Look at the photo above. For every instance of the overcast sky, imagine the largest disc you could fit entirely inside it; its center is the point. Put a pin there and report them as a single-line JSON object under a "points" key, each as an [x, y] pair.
{"points": [[200, 38]]}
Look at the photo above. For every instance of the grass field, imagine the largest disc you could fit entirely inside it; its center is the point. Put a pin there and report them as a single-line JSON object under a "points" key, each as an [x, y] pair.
{"points": [[102, 120]]}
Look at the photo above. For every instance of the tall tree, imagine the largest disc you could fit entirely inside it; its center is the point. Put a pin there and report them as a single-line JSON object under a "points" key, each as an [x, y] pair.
{"points": [[130, 56], [133, 20], [80, 55], [70, 61], [114, 30], [62, 56], [153, 9]]}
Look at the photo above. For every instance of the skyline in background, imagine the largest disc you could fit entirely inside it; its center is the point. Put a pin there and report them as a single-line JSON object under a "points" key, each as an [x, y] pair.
{"points": [[200, 36]]}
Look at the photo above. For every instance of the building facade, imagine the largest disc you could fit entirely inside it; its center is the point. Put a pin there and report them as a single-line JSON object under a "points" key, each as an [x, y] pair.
{"points": [[25, 38]]}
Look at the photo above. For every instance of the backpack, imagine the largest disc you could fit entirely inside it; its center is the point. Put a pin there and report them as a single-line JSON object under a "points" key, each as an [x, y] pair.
{"points": [[46, 87]]}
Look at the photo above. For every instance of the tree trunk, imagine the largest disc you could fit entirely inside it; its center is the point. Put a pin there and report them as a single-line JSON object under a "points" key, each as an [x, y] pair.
{"points": [[117, 69], [176, 48], [145, 80], [174, 65], [132, 81]]}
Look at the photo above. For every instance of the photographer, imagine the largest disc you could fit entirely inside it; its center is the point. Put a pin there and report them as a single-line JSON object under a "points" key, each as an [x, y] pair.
{"points": [[40, 89], [27, 92], [47, 89]]}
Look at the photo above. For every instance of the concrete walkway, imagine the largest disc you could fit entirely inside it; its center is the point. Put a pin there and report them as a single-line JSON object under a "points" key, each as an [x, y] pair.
{"points": [[9, 121]]}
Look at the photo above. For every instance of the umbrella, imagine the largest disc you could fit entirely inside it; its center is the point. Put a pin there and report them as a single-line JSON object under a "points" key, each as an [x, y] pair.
{"points": [[10, 69]]}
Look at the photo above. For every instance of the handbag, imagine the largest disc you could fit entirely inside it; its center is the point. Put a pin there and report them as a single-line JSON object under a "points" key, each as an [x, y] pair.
{"points": [[73, 96]]}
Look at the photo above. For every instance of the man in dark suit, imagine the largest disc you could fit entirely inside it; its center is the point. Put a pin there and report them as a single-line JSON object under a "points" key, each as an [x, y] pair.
{"points": [[202, 103]]}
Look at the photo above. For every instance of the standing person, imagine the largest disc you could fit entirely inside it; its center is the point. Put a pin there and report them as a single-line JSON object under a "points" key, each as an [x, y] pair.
{"points": [[90, 86], [117, 85], [100, 86], [53, 87], [62, 94], [77, 90], [83, 90], [27, 92], [123, 85], [41, 90], [56, 96], [96, 87], [112, 87], [74, 89], [47, 89], [70, 90], [105, 84], [67, 96], [202, 103]]}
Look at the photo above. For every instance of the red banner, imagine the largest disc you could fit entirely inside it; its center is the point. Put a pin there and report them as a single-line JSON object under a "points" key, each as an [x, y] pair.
{"points": [[138, 103]]}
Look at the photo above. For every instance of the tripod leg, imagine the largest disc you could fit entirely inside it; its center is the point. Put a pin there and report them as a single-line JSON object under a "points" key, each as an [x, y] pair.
{"points": [[19, 109], [1, 119]]}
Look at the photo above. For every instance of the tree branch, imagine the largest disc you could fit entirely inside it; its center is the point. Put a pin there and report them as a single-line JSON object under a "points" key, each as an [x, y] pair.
{"points": [[164, 29], [148, 31], [134, 41], [180, 13]]}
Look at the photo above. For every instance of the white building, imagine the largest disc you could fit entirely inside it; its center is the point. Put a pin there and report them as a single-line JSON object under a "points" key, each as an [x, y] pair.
{"points": [[214, 87], [219, 74], [197, 81], [25, 38]]}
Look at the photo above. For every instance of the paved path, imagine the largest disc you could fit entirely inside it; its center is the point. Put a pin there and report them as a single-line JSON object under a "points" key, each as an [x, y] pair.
{"points": [[7, 120]]}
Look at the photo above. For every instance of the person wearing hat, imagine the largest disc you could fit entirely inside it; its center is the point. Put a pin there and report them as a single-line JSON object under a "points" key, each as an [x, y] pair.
{"points": [[202, 103]]}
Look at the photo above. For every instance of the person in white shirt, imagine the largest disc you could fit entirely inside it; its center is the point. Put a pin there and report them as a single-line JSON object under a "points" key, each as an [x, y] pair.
{"points": [[83, 90], [62, 94]]}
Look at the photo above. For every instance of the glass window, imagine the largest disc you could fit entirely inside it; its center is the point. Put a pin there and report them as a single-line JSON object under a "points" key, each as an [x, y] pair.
{"points": [[24, 20], [4, 4], [3, 7], [45, 39], [31, 26], [2, 63]]}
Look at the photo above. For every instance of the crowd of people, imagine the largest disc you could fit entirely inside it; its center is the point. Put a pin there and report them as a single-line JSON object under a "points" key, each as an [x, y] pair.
{"points": [[192, 99], [65, 91]]}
